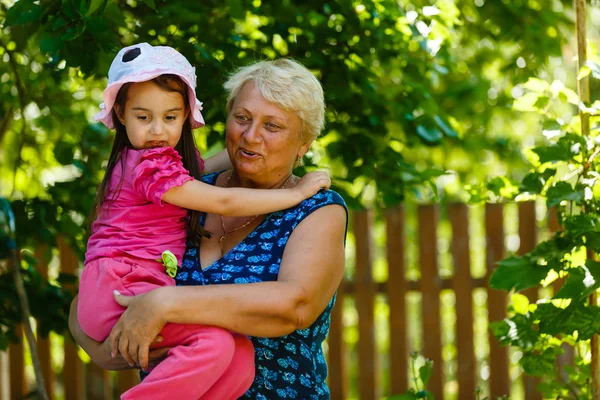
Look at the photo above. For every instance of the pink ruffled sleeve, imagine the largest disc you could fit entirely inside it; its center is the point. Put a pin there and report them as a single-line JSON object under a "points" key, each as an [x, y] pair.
{"points": [[159, 170]]}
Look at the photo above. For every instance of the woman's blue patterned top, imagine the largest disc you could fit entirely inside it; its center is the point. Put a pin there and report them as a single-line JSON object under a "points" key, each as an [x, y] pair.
{"points": [[291, 366]]}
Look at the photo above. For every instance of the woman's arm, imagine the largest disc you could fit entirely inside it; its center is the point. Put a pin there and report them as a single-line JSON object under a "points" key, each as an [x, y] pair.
{"points": [[310, 273], [238, 202], [218, 162], [100, 352]]}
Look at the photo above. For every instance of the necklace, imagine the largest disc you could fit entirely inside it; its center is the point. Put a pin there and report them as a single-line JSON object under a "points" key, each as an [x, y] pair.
{"points": [[227, 232]]}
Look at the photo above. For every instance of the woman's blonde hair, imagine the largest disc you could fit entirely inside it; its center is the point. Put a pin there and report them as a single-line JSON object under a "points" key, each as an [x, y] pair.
{"points": [[287, 84]]}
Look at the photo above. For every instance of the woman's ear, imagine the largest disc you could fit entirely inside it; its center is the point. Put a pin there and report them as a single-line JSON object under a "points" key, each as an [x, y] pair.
{"points": [[303, 149]]}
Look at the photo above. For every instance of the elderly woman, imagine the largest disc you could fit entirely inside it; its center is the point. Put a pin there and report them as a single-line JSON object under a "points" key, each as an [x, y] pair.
{"points": [[272, 277]]}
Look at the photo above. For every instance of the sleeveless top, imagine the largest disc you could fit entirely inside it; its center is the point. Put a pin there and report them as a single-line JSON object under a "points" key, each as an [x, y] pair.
{"points": [[287, 367]]}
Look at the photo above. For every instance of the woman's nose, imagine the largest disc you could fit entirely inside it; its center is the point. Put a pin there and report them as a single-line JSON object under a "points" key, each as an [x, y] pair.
{"points": [[252, 134]]}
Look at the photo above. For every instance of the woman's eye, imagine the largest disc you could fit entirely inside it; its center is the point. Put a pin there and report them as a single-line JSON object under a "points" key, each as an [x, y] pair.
{"points": [[272, 126], [241, 118]]}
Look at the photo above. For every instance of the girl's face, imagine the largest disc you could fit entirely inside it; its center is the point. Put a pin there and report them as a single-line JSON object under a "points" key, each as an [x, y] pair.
{"points": [[152, 116]]}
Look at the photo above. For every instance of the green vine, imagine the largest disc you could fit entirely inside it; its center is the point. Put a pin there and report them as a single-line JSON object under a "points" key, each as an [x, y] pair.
{"points": [[566, 174]]}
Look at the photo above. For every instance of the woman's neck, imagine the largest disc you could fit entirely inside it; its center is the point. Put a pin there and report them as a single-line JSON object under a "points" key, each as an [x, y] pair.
{"points": [[272, 182]]}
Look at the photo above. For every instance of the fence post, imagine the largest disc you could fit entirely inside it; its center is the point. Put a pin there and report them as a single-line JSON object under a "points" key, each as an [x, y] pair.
{"points": [[497, 300], [42, 256], [337, 350], [430, 288], [396, 293], [462, 283], [365, 295], [18, 386], [73, 367]]}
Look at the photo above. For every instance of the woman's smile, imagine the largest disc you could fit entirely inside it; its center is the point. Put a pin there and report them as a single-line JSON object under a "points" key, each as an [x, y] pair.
{"points": [[245, 153]]}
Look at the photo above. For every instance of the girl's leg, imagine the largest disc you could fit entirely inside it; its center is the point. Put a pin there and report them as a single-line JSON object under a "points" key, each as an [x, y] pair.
{"points": [[200, 356], [239, 374], [97, 310]]}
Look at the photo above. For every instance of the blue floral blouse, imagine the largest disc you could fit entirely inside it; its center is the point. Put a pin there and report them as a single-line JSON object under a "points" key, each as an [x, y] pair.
{"points": [[291, 366]]}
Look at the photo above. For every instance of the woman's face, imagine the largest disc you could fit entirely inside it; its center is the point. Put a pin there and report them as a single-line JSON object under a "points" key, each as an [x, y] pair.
{"points": [[263, 140]]}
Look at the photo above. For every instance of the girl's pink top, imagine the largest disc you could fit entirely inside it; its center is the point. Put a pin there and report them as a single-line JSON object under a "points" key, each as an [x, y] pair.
{"points": [[137, 223]]}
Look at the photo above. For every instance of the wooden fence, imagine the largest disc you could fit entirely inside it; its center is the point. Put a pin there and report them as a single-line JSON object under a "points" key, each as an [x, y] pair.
{"points": [[403, 229]]}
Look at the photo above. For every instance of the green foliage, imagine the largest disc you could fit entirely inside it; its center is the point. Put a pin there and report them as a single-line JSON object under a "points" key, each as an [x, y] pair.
{"points": [[49, 302], [565, 173], [420, 380]]}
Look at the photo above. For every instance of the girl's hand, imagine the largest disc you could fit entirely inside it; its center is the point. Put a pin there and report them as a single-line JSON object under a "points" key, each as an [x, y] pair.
{"points": [[135, 331], [312, 182]]}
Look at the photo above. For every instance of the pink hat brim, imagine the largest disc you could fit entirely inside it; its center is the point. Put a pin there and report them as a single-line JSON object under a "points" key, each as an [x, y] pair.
{"points": [[111, 91]]}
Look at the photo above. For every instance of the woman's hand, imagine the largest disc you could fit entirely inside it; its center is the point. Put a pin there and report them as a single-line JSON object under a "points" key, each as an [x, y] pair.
{"points": [[139, 325], [100, 353]]}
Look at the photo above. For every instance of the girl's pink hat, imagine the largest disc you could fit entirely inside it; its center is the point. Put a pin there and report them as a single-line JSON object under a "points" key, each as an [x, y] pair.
{"points": [[143, 62]]}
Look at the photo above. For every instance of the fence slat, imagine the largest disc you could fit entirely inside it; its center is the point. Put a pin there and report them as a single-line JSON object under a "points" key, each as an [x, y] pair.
{"points": [[127, 379], [4, 376], [528, 240], [463, 290], [43, 344], [396, 293], [337, 350], [18, 386], [497, 300], [432, 335], [73, 379], [98, 383], [365, 296]]}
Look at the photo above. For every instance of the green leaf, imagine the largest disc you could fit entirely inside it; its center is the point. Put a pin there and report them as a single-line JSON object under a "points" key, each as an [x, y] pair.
{"points": [[536, 85], [429, 135], [236, 8], [584, 72], [150, 3], [581, 282], [594, 68], [536, 364], [23, 12], [562, 191], [50, 42], [534, 182], [517, 273], [448, 131], [425, 372], [94, 5], [64, 152], [576, 317]]}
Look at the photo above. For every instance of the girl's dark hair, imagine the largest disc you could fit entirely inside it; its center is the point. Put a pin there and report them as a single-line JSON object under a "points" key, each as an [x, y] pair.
{"points": [[186, 147]]}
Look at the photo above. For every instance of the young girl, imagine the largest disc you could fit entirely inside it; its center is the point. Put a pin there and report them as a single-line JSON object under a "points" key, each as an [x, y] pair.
{"points": [[142, 211]]}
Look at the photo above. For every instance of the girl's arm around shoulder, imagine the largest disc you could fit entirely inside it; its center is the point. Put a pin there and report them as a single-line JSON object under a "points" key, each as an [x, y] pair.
{"points": [[196, 195]]}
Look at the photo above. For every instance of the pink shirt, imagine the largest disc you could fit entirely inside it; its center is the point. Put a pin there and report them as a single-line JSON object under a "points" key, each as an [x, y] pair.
{"points": [[137, 223]]}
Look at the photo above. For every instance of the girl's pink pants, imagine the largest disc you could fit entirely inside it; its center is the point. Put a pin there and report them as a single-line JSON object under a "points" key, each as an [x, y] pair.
{"points": [[204, 362]]}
